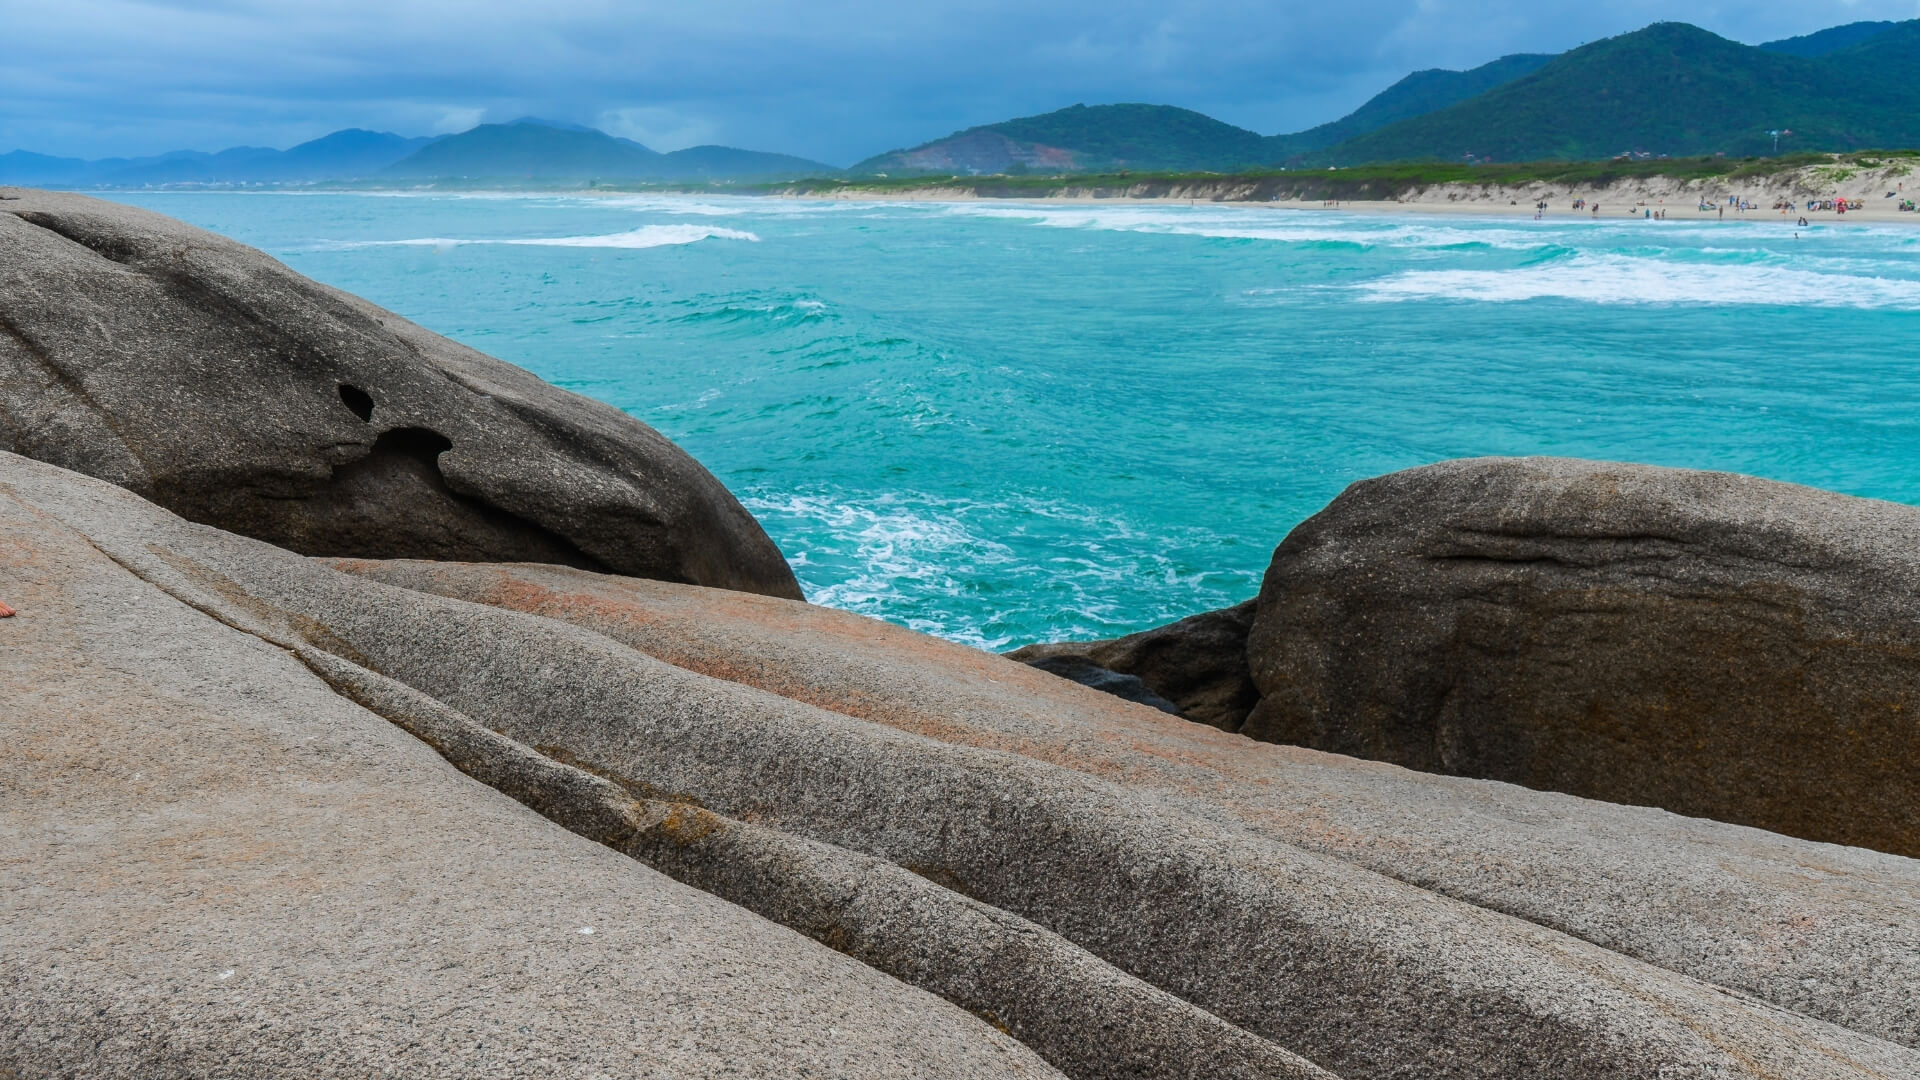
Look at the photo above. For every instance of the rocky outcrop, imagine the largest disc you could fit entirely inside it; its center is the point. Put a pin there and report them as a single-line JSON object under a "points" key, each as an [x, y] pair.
{"points": [[1684, 896], [1825, 931], [1713, 644], [1003, 968], [211, 379], [1199, 663], [285, 816], [1273, 901], [1106, 680], [215, 865]]}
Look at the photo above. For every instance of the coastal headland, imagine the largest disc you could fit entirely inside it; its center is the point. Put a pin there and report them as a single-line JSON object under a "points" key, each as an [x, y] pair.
{"points": [[1133, 638]]}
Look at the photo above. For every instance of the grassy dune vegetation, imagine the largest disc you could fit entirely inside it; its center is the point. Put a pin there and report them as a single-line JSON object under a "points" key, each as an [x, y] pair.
{"points": [[1360, 182]]}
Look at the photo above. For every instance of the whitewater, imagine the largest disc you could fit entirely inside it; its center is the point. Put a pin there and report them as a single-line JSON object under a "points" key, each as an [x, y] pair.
{"points": [[1004, 423]]}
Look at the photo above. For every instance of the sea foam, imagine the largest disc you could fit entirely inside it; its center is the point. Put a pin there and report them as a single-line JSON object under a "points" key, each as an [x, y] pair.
{"points": [[646, 236], [1621, 279], [1285, 226]]}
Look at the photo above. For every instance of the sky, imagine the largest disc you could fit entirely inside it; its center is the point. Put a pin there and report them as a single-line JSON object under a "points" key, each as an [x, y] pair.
{"points": [[832, 80]]}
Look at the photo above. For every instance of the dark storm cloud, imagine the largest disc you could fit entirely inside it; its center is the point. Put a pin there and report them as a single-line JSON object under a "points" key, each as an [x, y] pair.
{"points": [[831, 79]]}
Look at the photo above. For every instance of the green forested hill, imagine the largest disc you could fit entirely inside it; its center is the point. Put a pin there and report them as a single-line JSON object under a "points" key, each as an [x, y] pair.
{"points": [[1832, 39], [1141, 136], [1149, 138], [1891, 56], [1672, 89], [1668, 90], [1081, 138], [1418, 94]]}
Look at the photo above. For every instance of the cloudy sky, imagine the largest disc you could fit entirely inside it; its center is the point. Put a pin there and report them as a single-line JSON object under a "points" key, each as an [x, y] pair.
{"points": [[834, 80]]}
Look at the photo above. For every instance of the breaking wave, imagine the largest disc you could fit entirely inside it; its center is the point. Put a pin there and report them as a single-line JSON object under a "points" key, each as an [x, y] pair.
{"points": [[646, 236], [1617, 279]]}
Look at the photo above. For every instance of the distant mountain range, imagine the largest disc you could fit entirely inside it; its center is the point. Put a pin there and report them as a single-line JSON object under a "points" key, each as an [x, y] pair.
{"points": [[342, 154], [525, 149], [538, 150], [1670, 89]]}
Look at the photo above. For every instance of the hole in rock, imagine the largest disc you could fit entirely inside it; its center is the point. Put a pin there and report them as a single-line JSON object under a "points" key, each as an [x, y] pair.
{"points": [[360, 402], [395, 503], [424, 445]]}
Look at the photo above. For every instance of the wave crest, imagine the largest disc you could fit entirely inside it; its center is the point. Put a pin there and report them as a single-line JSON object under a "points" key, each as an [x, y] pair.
{"points": [[1618, 279], [646, 236]]}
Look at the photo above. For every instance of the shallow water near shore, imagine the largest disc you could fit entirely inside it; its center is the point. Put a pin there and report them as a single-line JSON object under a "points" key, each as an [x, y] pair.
{"points": [[1004, 423]]}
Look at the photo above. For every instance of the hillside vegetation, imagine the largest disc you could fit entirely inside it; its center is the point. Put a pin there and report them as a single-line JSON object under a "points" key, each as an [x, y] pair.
{"points": [[1833, 38], [1082, 138], [1089, 138], [1668, 90], [1672, 89], [1418, 94], [1380, 181]]}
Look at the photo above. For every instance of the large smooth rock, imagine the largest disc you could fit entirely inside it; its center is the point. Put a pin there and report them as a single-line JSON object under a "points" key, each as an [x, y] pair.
{"points": [[1827, 931], [212, 865], [1106, 680], [1229, 875], [1199, 663], [1713, 644], [208, 377]]}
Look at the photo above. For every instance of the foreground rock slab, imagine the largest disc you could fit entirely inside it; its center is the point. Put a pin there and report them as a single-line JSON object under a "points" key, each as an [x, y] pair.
{"points": [[1712, 644], [213, 380], [1031, 983], [1130, 858], [213, 865], [1828, 931]]}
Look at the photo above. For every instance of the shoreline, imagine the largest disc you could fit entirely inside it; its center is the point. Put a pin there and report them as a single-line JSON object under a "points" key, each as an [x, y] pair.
{"points": [[1614, 206], [1879, 187], [1627, 200]]}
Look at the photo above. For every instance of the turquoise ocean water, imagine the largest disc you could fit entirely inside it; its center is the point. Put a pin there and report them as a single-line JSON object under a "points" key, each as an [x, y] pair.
{"points": [[1014, 422]]}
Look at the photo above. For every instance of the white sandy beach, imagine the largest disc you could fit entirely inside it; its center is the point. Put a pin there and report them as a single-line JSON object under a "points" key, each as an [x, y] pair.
{"points": [[1643, 198]]}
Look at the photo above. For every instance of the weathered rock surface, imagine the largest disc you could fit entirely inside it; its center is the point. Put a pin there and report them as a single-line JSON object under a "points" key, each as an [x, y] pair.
{"points": [[213, 380], [213, 865], [1234, 876], [1106, 680], [1199, 663], [1713, 644], [1831, 932], [1023, 979]]}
